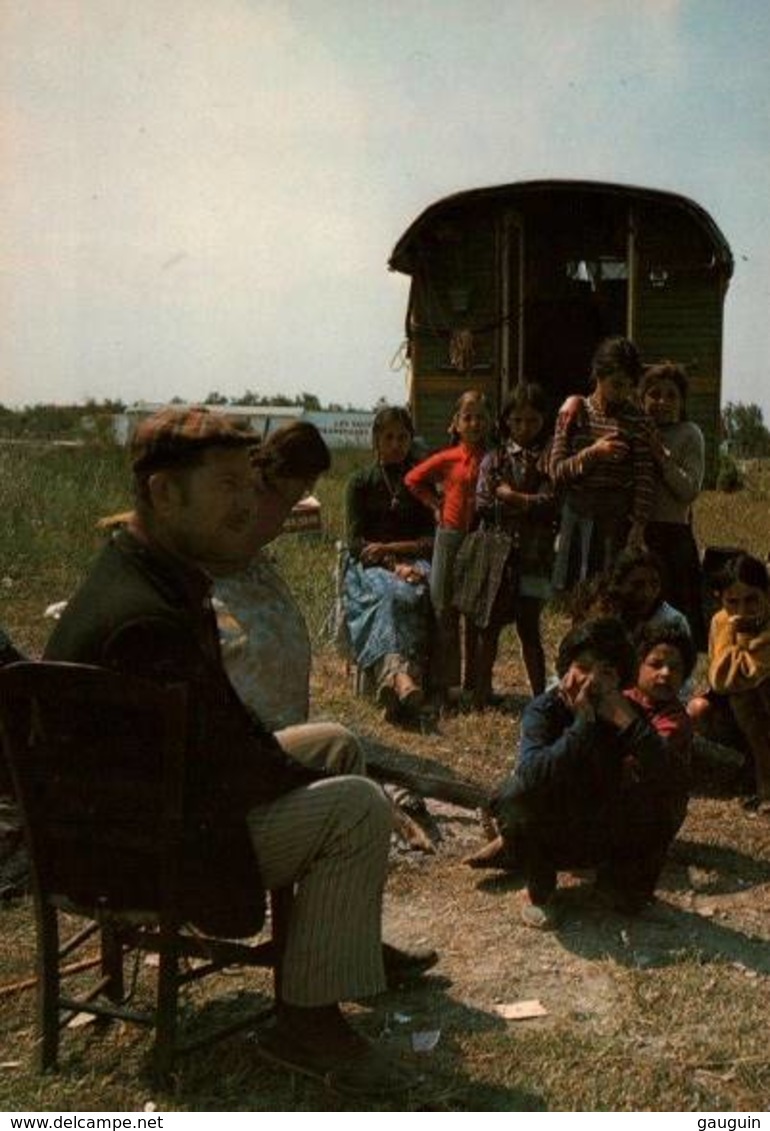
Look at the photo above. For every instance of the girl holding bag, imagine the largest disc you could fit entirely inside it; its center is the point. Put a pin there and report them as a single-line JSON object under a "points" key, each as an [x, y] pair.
{"points": [[515, 496]]}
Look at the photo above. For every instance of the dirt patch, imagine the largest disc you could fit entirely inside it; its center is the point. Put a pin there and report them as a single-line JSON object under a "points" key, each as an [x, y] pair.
{"points": [[714, 903]]}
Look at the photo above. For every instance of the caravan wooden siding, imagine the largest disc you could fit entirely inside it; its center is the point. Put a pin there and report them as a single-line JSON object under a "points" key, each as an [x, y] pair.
{"points": [[520, 282], [681, 316], [454, 275]]}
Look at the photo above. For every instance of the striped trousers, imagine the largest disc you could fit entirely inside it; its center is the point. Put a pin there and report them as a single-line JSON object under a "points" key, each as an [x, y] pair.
{"points": [[330, 839]]}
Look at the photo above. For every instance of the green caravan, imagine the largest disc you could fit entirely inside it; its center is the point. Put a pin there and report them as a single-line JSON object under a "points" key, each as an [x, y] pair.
{"points": [[520, 282]]}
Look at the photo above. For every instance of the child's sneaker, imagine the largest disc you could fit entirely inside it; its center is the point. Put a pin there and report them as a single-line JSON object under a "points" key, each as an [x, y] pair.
{"points": [[541, 916]]}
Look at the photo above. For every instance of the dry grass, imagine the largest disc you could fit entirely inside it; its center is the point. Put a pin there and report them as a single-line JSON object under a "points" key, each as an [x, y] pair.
{"points": [[667, 1012]]}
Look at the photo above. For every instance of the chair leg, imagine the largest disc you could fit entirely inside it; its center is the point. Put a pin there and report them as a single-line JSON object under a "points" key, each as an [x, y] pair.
{"points": [[112, 961], [364, 683], [167, 1002], [48, 987]]}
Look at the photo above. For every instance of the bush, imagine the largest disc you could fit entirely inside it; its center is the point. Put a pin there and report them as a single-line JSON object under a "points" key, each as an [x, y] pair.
{"points": [[728, 477]]}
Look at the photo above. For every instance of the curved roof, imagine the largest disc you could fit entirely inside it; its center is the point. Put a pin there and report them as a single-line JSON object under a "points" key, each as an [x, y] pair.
{"points": [[507, 194]]}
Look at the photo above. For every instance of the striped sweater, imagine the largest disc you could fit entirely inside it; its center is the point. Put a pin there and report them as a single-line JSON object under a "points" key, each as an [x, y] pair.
{"points": [[624, 488]]}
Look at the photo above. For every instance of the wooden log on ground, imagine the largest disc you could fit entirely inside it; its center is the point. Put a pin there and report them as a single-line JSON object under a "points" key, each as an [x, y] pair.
{"points": [[422, 776]]}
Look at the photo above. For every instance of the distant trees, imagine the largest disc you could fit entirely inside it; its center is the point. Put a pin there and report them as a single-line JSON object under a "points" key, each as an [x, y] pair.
{"points": [[91, 420], [744, 431], [308, 401]]}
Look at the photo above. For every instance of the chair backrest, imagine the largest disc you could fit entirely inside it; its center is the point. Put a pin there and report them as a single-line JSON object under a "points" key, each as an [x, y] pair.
{"points": [[339, 633], [98, 762]]}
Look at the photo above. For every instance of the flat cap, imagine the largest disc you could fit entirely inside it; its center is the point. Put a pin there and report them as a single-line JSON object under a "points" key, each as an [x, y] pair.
{"points": [[173, 436]]}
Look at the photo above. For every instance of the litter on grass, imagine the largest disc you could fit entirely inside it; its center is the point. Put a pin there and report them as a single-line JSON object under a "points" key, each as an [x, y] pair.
{"points": [[521, 1010]]}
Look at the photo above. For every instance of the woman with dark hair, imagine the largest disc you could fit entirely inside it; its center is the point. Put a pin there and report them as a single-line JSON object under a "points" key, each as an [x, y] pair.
{"points": [[602, 464], [385, 580], [678, 451], [632, 591], [265, 641]]}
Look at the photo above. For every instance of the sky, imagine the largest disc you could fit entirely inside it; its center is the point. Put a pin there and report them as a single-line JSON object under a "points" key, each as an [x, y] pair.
{"points": [[202, 195]]}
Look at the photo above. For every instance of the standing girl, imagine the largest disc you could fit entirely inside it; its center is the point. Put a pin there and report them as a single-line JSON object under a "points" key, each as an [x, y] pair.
{"points": [[515, 494], [601, 461], [446, 484], [678, 451]]}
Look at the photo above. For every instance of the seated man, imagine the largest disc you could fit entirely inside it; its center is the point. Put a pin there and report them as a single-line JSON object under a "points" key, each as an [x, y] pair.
{"points": [[258, 817], [602, 776], [8, 653], [14, 863]]}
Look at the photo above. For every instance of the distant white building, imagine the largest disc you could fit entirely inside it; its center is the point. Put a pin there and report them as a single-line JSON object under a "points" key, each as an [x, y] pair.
{"points": [[343, 429], [339, 429]]}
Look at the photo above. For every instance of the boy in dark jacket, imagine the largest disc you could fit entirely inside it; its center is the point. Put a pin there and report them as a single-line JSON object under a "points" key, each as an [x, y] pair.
{"points": [[601, 779]]}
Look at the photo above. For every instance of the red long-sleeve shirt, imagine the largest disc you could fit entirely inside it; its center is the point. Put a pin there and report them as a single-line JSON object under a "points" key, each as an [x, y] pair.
{"points": [[455, 471]]}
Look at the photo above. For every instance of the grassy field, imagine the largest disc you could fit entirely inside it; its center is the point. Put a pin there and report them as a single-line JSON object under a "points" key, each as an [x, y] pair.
{"points": [[665, 1013]]}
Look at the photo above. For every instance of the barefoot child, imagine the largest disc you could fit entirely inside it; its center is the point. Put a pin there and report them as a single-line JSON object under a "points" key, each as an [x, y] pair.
{"points": [[446, 484], [601, 779]]}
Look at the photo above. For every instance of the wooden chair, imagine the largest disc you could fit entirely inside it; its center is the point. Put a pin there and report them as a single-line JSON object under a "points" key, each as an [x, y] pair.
{"points": [[361, 680], [98, 765]]}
